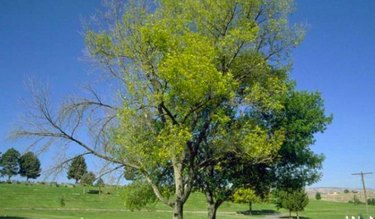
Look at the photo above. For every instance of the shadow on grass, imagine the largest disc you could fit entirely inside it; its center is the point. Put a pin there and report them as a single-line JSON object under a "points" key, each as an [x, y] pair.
{"points": [[93, 192], [300, 217], [258, 212], [12, 217]]}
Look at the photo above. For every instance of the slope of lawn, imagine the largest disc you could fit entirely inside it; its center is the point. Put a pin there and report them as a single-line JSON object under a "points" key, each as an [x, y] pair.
{"points": [[50, 201], [45, 201]]}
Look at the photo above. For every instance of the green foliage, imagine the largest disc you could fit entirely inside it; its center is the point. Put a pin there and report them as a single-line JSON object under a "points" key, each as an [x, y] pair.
{"points": [[244, 195], [346, 191], [29, 166], [62, 202], [207, 80], [77, 168], [138, 195], [100, 183], [302, 117], [318, 196], [87, 179], [371, 201], [355, 200], [10, 163], [295, 200]]}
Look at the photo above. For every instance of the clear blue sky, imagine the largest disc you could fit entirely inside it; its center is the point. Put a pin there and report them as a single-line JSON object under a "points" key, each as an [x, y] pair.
{"points": [[42, 39]]}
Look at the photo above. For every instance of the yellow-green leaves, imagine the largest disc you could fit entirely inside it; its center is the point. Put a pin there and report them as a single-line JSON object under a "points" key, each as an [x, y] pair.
{"points": [[268, 94], [257, 144], [191, 73], [172, 140], [187, 68], [99, 44], [245, 195]]}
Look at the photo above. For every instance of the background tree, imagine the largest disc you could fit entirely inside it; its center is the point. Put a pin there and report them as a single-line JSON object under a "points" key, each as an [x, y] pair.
{"points": [[246, 195], [293, 200], [29, 166], [100, 182], [0, 163], [77, 168], [87, 179], [138, 195], [318, 196], [9, 163]]}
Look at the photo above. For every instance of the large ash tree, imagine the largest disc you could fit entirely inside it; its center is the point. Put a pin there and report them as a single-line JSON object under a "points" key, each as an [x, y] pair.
{"points": [[193, 75]]}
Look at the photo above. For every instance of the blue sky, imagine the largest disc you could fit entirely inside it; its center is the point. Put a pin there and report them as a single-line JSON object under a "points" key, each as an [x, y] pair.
{"points": [[42, 39]]}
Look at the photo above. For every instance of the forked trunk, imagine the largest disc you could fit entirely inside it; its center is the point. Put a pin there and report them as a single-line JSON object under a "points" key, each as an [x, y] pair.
{"points": [[212, 209], [212, 205]]}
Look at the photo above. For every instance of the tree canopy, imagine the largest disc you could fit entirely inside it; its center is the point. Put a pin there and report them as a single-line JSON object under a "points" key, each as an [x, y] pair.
{"points": [[9, 163], [87, 179], [77, 168], [246, 195], [29, 166], [205, 100], [293, 200]]}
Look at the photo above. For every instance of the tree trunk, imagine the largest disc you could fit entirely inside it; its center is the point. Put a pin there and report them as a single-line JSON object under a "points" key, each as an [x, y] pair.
{"points": [[250, 207], [297, 215], [212, 205], [212, 209], [178, 210], [290, 214]]}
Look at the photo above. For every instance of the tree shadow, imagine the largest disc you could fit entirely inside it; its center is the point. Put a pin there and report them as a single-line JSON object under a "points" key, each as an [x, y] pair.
{"points": [[93, 192], [12, 217], [258, 212], [300, 217]]}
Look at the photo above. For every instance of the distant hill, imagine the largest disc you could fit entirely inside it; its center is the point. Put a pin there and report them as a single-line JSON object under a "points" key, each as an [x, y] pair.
{"points": [[337, 194]]}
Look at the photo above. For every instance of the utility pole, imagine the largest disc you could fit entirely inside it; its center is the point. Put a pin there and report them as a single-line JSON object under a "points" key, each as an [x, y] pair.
{"points": [[362, 174]]}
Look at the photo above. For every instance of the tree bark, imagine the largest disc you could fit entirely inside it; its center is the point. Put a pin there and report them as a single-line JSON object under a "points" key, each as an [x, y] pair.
{"points": [[212, 205], [212, 209], [250, 207], [290, 214], [178, 207], [178, 210], [297, 215]]}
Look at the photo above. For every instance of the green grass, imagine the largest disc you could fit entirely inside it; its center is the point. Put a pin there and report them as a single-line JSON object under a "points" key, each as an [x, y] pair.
{"points": [[20, 201]]}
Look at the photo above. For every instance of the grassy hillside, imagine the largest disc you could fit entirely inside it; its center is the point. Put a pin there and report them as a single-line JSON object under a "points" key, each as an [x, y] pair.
{"points": [[45, 201]]}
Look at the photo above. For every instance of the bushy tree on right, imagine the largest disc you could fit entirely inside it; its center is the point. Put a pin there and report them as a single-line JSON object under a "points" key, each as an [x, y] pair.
{"points": [[292, 200]]}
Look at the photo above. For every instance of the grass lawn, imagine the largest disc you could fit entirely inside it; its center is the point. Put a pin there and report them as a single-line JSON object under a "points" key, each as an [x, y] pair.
{"points": [[44, 201]]}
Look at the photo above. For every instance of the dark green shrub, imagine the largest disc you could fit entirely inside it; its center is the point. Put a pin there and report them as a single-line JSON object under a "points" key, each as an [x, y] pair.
{"points": [[318, 196], [62, 202]]}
